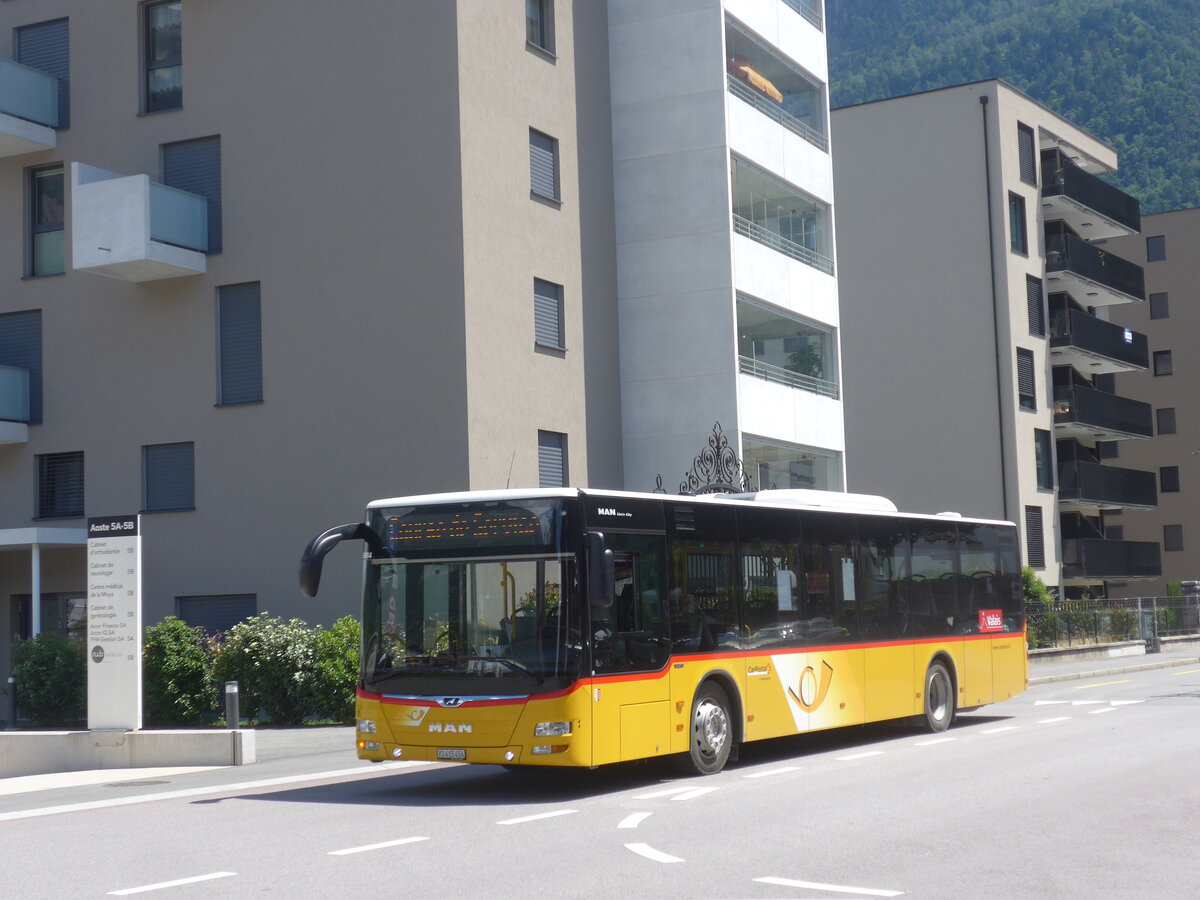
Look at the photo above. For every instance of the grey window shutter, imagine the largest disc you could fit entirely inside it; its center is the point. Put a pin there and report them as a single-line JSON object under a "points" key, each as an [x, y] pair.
{"points": [[170, 476], [552, 459], [543, 165], [21, 348], [1027, 153], [1025, 382], [60, 485], [1033, 297], [1035, 542], [547, 313], [239, 324], [46, 46], [217, 614], [195, 166]]}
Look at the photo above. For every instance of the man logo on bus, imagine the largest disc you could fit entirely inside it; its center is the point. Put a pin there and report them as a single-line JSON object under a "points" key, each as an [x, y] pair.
{"points": [[812, 693]]}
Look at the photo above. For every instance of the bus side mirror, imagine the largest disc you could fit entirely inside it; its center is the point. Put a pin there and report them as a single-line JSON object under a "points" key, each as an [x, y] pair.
{"points": [[600, 572], [314, 554]]}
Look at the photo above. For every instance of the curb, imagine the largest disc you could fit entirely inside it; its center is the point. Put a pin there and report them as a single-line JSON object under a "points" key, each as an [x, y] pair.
{"points": [[1113, 670]]}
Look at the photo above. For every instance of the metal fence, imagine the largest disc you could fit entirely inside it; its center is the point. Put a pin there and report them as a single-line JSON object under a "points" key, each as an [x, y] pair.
{"points": [[1074, 623]]}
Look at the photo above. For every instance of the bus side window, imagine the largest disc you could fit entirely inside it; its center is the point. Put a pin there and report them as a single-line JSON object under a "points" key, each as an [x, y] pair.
{"points": [[704, 615], [633, 637]]}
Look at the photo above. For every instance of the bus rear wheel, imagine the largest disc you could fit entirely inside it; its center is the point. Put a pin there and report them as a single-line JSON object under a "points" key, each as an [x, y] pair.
{"points": [[711, 738], [939, 698]]}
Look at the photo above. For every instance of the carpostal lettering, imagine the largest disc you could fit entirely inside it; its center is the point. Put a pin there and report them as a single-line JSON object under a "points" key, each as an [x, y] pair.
{"points": [[450, 728]]}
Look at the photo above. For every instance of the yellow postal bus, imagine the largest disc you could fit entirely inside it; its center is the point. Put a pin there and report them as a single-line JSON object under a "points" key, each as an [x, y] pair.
{"points": [[569, 627]]}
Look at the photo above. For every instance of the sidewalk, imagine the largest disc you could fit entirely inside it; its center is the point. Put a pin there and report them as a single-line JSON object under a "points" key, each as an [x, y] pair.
{"points": [[1074, 665]]}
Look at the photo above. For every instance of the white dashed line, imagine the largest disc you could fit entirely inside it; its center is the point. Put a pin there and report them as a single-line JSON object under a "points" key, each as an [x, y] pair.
{"points": [[859, 755], [770, 772], [169, 884], [654, 795], [549, 815], [633, 820], [1055, 719], [998, 730], [694, 793], [836, 888], [381, 846], [1102, 710], [650, 853], [932, 741]]}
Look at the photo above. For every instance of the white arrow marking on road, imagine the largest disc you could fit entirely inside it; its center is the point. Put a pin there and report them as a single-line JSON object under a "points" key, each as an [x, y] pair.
{"points": [[650, 853], [859, 755], [838, 888], [779, 771], [633, 820], [168, 884], [366, 847], [548, 815]]}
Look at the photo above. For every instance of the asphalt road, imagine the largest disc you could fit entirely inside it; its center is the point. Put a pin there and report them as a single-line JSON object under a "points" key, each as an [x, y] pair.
{"points": [[1082, 788]]}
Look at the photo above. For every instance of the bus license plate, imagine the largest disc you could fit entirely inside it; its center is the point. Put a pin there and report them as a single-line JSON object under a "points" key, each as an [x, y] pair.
{"points": [[451, 753]]}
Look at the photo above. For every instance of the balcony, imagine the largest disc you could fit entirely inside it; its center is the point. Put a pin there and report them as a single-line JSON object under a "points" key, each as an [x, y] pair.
{"points": [[776, 215], [1094, 277], [1084, 412], [1094, 346], [1092, 208], [28, 109], [1088, 560], [1096, 486], [810, 9], [131, 228], [14, 405]]}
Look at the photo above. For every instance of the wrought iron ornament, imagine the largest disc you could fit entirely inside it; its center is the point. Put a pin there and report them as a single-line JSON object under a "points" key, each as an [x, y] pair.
{"points": [[717, 470]]}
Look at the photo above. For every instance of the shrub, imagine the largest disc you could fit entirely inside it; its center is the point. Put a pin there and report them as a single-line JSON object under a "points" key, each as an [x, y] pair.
{"points": [[1041, 627], [51, 673], [177, 686], [273, 663], [336, 670]]}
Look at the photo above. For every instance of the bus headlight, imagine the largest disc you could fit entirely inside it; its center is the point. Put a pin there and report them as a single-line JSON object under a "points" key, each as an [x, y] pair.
{"points": [[551, 729], [366, 726], [368, 745], [547, 749]]}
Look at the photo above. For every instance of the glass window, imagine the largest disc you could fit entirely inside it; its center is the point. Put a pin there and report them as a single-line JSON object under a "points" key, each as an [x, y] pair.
{"points": [[1045, 461], [539, 24], [1026, 385], [703, 607], [934, 597], [168, 477], [885, 558], [163, 41], [21, 348], [1156, 248], [543, 165], [1172, 537], [773, 213], [633, 635], [783, 348], [1114, 532], [1165, 420], [239, 339], [547, 314], [47, 46], [1017, 236], [1159, 306], [831, 578], [1108, 449], [46, 238], [788, 466], [552, 459], [1168, 479], [1162, 362], [60, 485]]}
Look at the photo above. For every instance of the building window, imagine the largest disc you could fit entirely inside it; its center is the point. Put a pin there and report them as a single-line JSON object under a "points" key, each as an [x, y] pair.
{"points": [[21, 348], [1114, 532], [1172, 537], [543, 165], [195, 166], [539, 24], [1044, 458], [46, 46], [1026, 385], [1108, 449], [216, 614], [1166, 420], [781, 217], [1028, 154], [239, 344], [162, 38], [1162, 362], [1017, 235], [1168, 479], [1036, 306], [60, 485], [552, 459], [547, 314], [168, 477], [46, 235], [786, 350], [1159, 308], [1035, 540], [771, 464], [1156, 248]]}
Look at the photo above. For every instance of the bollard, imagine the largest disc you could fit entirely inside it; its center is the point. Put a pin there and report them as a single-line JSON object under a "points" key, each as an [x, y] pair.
{"points": [[12, 704], [233, 718]]}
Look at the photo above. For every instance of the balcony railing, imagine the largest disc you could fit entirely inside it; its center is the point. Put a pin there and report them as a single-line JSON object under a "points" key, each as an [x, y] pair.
{"points": [[759, 369], [1095, 277], [1095, 559], [769, 108], [1095, 346], [1093, 484], [14, 394], [1090, 206], [810, 9], [28, 94], [775, 241], [178, 218], [1080, 410]]}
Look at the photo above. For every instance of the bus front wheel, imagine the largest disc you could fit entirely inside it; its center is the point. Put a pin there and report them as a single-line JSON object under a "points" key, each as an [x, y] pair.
{"points": [[939, 698], [711, 737]]}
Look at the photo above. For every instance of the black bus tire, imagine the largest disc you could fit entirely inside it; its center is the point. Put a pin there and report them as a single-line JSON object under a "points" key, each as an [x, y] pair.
{"points": [[939, 697], [710, 738]]}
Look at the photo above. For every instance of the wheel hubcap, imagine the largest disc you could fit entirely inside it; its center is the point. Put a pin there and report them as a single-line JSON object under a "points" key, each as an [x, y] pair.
{"points": [[938, 693], [711, 728]]}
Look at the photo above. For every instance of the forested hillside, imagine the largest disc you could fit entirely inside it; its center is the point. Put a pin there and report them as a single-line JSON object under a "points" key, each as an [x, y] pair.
{"points": [[1126, 70]]}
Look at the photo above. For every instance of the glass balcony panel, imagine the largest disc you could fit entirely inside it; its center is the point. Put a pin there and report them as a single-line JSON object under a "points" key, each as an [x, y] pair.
{"points": [[49, 257], [1080, 410], [1097, 558], [178, 218], [785, 350], [810, 9], [771, 213], [1098, 346], [1093, 484], [1105, 277], [1063, 180], [14, 394], [788, 467], [28, 93]]}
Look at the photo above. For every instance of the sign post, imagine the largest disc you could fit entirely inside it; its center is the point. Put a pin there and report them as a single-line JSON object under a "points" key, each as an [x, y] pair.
{"points": [[114, 615]]}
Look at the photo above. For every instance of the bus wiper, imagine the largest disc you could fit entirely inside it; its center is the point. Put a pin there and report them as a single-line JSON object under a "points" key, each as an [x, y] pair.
{"points": [[508, 663]]}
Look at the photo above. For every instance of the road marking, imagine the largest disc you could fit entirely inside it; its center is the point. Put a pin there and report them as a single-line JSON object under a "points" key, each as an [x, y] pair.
{"points": [[1188, 672], [837, 888], [1125, 702], [650, 853], [859, 755], [381, 846], [547, 815], [1088, 687], [1055, 719], [1000, 729], [167, 884], [633, 820], [1103, 709], [779, 771], [654, 795], [932, 741], [1049, 702], [694, 793]]}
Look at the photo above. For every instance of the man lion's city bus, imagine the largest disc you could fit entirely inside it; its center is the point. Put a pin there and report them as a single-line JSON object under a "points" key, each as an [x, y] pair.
{"points": [[568, 627]]}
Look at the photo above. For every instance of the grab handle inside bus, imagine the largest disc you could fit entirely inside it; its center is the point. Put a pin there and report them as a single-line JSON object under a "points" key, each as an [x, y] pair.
{"points": [[314, 554], [600, 571]]}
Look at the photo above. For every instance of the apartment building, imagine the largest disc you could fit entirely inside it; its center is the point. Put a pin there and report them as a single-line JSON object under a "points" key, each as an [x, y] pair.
{"points": [[978, 360], [725, 254], [266, 262], [1169, 250]]}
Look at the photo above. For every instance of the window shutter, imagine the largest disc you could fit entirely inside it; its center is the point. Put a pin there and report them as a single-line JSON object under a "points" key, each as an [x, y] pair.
{"points": [[170, 476], [217, 614], [239, 318], [1027, 154], [1035, 541], [195, 166], [543, 165], [1033, 299], [21, 348], [547, 314], [1025, 382], [552, 459], [46, 46], [60, 485]]}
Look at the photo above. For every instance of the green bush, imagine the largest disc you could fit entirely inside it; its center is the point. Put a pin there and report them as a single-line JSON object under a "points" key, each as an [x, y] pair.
{"points": [[177, 686], [1041, 627], [336, 675], [273, 662], [51, 673]]}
